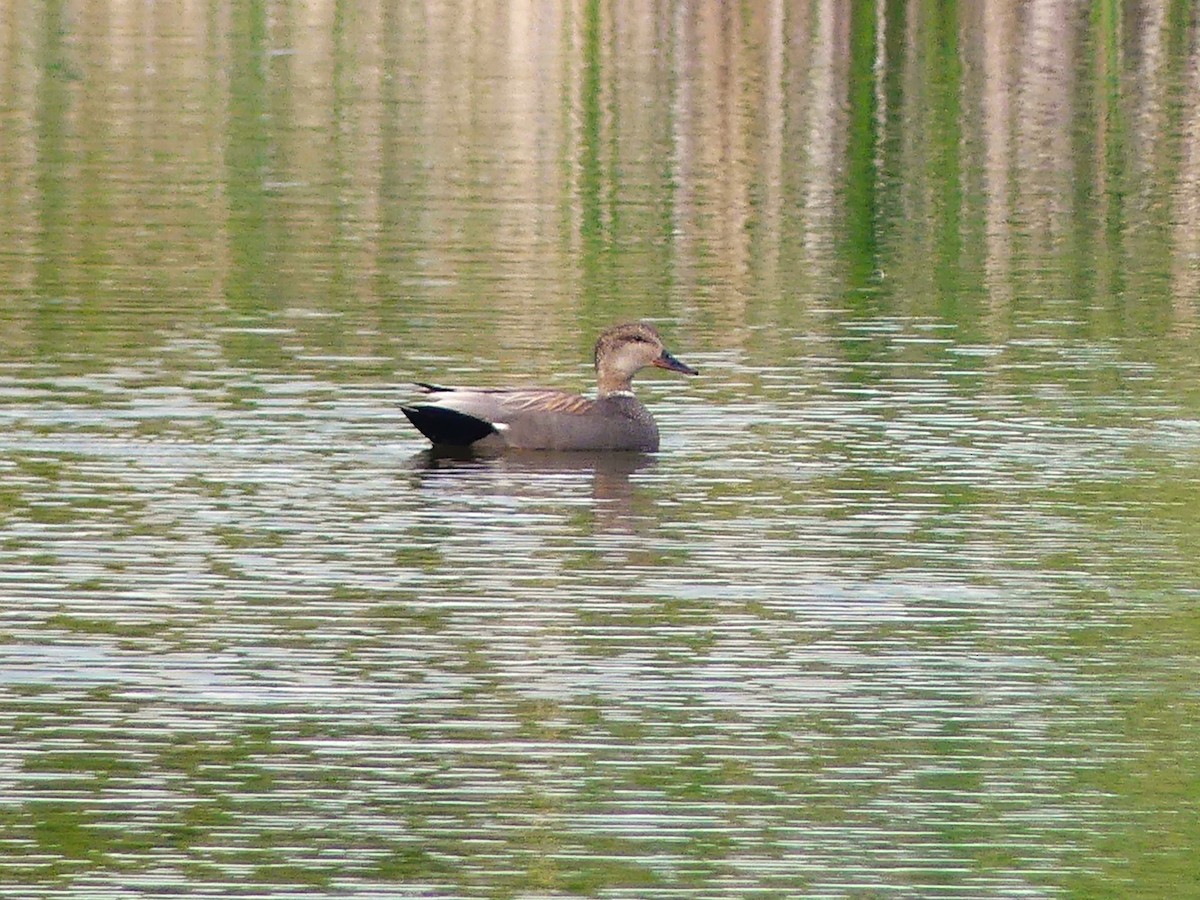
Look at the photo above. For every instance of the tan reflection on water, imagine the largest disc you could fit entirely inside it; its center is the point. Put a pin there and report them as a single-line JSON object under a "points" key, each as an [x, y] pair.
{"points": [[512, 125], [1185, 258]]}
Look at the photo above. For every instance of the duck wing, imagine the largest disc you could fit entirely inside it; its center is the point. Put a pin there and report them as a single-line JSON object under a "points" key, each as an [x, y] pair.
{"points": [[462, 416]]}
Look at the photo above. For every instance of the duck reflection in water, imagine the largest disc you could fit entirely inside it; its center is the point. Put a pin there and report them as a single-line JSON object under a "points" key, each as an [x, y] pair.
{"points": [[614, 495]]}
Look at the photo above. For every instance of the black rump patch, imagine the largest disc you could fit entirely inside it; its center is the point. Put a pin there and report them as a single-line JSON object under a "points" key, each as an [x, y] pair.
{"points": [[447, 426]]}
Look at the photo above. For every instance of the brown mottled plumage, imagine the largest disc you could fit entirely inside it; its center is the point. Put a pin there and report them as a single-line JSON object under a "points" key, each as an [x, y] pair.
{"points": [[550, 419]]}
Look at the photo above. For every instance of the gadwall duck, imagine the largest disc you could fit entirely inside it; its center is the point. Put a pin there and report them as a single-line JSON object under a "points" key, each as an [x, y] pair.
{"points": [[549, 419]]}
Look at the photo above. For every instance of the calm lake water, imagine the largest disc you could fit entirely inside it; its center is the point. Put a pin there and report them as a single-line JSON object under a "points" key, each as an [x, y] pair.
{"points": [[907, 605]]}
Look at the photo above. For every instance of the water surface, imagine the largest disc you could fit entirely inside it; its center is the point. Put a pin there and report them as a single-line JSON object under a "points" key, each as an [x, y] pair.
{"points": [[905, 606]]}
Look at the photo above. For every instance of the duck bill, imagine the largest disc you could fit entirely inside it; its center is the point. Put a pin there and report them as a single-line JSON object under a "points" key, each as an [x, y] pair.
{"points": [[667, 361]]}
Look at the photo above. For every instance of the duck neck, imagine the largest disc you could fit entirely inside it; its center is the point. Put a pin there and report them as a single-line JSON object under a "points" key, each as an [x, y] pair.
{"points": [[609, 383]]}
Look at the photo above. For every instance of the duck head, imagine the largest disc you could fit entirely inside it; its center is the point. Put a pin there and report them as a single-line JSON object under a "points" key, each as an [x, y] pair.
{"points": [[624, 350]]}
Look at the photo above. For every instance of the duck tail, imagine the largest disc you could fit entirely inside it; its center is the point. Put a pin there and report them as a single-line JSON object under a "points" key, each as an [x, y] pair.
{"points": [[447, 427]]}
